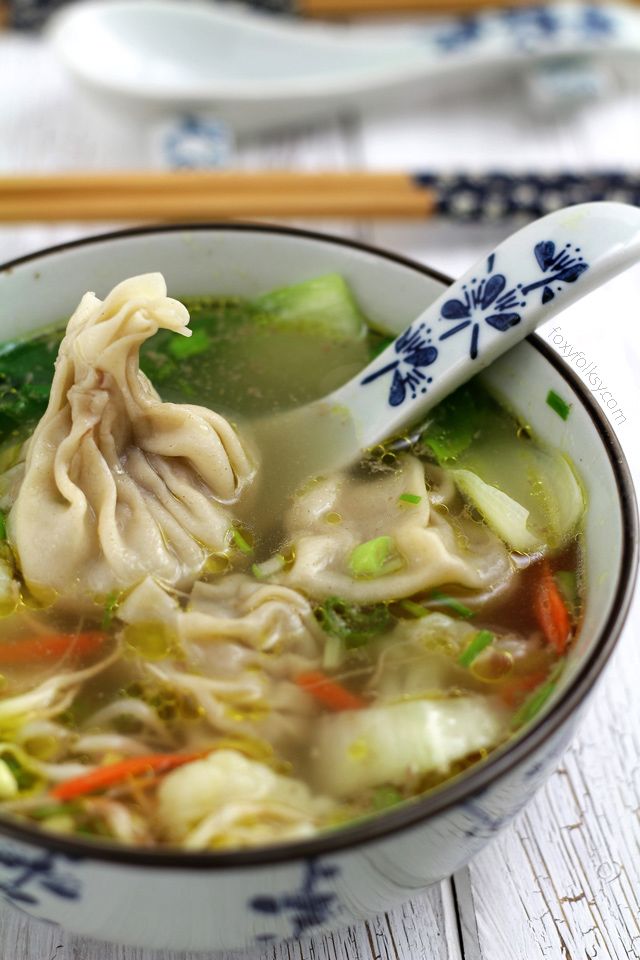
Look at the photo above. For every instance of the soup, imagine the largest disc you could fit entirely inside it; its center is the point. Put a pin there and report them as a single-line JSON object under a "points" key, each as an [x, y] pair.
{"points": [[177, 671]]}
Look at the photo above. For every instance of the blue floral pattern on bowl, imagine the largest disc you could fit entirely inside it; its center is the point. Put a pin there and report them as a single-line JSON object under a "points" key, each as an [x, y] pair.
{"points": [[25, 874], [306, 906]]}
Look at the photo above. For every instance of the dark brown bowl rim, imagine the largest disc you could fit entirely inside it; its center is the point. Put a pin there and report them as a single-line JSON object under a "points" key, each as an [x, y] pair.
{"points": [[448, 796]]}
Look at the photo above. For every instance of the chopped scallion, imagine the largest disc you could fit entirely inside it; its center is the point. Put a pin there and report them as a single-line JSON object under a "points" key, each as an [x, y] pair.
{"points": [[110, 607], [375, 558], [237, 538], [561, 407], [533, 704], [415, 609], [333, 654], [476, 645], [409, 498], [268, 567], [443, 599]]}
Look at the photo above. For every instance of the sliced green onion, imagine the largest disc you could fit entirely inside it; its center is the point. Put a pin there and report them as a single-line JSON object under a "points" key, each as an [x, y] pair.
{"points": [[561, 407], [533, 704], [54, 810], [409, 498], [443, 599], [480, 641], [415, 609], [110, 607], [333, 654], [268, 567], [375, 558], [240, 541], [3, 526]]}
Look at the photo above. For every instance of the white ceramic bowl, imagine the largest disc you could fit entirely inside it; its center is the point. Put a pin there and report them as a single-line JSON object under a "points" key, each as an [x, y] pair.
{"points": [[209, 901]]}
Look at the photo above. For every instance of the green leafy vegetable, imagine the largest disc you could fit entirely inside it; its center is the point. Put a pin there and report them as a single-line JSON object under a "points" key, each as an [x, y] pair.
{"points": [[181, 348], [26, 372], [355, 625], [374, 558], [324, 304], [457, 421], [385, 797], [561, 407], [3, 526], [476, 645]]}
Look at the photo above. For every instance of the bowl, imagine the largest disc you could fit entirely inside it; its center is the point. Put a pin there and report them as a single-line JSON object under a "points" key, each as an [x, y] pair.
{"points": [[206, 901]]}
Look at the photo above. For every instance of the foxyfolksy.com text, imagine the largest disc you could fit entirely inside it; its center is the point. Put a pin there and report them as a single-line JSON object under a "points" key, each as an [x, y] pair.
{"points": [[588, 372]]}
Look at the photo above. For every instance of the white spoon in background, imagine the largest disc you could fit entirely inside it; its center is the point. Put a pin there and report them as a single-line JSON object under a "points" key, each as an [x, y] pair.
{"points": [[256, 70], [533, 275]]}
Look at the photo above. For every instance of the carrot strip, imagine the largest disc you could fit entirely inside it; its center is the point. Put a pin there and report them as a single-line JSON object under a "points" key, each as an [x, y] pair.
{"points": [[550, 610], [50, 646], [328, 692], [115, 773]]}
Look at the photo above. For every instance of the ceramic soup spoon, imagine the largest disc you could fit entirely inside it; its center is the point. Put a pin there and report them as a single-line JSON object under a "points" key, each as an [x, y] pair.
{"points": [[533, 275], [255, 70]]}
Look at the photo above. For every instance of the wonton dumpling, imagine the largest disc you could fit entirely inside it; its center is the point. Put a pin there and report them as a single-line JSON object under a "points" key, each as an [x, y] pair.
{"points": [[117, 483], [243, 641], [337, 514]]}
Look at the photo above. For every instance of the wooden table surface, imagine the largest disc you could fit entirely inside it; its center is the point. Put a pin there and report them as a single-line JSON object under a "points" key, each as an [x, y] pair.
{"points": [[564, 880]]}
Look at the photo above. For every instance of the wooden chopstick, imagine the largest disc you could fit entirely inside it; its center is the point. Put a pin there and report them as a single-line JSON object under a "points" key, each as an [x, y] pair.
{"points": [[206, 195], [210, 195], [354, 8]]}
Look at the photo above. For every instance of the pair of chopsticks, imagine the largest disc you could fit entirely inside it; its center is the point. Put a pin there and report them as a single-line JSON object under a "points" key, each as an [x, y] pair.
{"points": [[189, 196], [33, 14], [332, 9]]}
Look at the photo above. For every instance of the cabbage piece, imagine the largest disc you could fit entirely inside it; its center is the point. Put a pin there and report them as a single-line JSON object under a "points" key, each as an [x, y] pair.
{"points": [[356, 750], [527, 494], [227, 800], [504, 515]]}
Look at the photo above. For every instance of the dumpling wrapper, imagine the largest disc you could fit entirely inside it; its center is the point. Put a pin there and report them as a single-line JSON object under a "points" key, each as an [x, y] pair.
{"points": [[242, 641], [118, 484], [337, 514]]}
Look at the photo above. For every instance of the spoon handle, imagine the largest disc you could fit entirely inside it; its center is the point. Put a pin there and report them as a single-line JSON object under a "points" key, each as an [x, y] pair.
{"points": [[533, 275]]}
